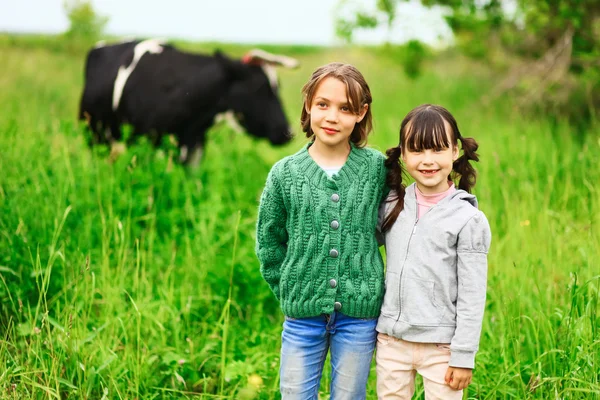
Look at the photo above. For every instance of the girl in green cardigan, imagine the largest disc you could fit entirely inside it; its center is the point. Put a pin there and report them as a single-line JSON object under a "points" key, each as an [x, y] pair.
{"points": [[316, 239]]}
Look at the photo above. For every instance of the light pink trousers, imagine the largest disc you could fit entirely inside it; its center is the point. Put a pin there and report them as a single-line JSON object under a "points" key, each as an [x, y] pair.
{"points": [[398, 361]]}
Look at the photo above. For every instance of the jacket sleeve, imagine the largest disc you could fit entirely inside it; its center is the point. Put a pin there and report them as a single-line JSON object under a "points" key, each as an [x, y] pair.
{"points": [[271, 233], [472, 249]]}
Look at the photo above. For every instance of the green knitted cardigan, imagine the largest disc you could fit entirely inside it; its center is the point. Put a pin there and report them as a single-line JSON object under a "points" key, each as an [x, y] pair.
{"points": [[313, 264]]}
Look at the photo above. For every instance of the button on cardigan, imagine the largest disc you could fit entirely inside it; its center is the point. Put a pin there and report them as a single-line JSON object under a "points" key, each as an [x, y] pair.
{"points": [[313, 230]]}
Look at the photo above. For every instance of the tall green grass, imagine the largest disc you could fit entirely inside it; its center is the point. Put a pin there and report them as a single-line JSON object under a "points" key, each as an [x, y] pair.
{"points": [[137, 279]]}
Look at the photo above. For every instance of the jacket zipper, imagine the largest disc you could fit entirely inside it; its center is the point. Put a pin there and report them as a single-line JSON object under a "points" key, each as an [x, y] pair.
{"points": [[414, 229]]}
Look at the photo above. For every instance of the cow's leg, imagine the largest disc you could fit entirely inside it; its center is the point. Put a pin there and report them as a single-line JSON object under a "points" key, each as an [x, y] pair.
{"points": [[195, 156], [231, 120], [113, 137], [116, 149], [93, 135], [191, 150], [183, 154], [191, 143], [113, 132]]}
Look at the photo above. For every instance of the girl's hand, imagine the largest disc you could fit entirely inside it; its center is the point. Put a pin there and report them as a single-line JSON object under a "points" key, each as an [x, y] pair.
{"points": [[458, 378]]}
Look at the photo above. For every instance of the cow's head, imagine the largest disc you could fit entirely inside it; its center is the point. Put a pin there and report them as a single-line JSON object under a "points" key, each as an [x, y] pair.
{"points": [[254, 95]]}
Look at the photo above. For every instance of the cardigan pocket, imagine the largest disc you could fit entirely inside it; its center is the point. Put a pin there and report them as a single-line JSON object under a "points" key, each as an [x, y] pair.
{"points": [[419, 305], [391, 299]]}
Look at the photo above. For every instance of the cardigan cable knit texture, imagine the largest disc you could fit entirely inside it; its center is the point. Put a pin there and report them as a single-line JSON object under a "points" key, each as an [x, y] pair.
{"points": [[315, 235]]}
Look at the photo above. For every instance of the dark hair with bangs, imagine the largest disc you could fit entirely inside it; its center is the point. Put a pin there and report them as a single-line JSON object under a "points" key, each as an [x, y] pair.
{"points": [[425, 128], [358, 93]]}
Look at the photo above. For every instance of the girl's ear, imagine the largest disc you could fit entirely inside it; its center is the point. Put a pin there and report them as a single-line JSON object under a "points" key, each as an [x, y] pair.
{"points": [[362, 113], [306, 108], [454, 153]]}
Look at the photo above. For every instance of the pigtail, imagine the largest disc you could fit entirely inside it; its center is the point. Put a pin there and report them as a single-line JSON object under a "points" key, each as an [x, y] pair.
{"points": [[462, 166], [394, 182]]}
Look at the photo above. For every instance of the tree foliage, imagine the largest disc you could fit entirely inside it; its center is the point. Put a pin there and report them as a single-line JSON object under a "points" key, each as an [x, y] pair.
{"points": [[360, 19], [558, 42], [85, 25]]}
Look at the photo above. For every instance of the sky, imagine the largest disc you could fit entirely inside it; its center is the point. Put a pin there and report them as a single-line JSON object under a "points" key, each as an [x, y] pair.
{"points": [[240, 21]]}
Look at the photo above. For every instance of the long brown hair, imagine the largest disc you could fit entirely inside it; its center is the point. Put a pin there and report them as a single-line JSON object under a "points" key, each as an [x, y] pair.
{"points": [[425, 128], [358, 93]]}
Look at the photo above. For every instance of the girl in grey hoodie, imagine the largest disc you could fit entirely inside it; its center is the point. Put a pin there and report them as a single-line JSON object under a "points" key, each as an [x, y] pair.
{"points": [[436, 245]]}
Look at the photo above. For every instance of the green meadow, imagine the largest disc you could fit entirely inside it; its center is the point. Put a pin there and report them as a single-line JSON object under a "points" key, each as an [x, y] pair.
{"points": [[132, 278]]}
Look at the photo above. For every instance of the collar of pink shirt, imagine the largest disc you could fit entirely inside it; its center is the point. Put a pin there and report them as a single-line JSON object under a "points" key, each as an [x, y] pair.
{"points": [[426, 201]]}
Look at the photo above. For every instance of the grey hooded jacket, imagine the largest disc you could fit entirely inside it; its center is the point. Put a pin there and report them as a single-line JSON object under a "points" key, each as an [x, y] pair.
{"points": [[436, 274]]}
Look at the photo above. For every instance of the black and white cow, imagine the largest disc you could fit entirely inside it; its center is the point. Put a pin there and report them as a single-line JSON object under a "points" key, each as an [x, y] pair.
{"points": [[158, 89]]}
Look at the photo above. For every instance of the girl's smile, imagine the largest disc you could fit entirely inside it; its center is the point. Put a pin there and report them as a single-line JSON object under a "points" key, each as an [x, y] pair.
{"points": [[330, 131], [429, 172]]}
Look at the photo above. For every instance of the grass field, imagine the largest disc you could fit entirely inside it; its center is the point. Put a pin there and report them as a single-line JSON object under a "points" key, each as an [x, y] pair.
{"points": [[134, 279]]}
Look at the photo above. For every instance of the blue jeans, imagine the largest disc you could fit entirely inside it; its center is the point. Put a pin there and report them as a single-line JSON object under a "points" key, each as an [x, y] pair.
{"points": [[304, 346]]}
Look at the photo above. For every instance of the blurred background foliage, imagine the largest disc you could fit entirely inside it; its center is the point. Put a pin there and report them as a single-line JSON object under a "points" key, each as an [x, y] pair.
{"points": [[86, 27], [548, 51]]}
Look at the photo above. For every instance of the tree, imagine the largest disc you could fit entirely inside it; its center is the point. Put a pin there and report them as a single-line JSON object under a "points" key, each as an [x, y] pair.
{"points": [[558, 39], [86, 27]]}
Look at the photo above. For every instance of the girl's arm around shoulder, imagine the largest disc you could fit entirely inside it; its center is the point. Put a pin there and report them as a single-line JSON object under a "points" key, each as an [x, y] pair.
{"points": [[378, 163], [379, 160], [379, 234], [271, 232]]}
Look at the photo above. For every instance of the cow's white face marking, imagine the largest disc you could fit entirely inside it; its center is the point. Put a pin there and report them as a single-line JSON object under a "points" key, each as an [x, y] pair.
{"points": [[153, 46], [230, 119]]}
